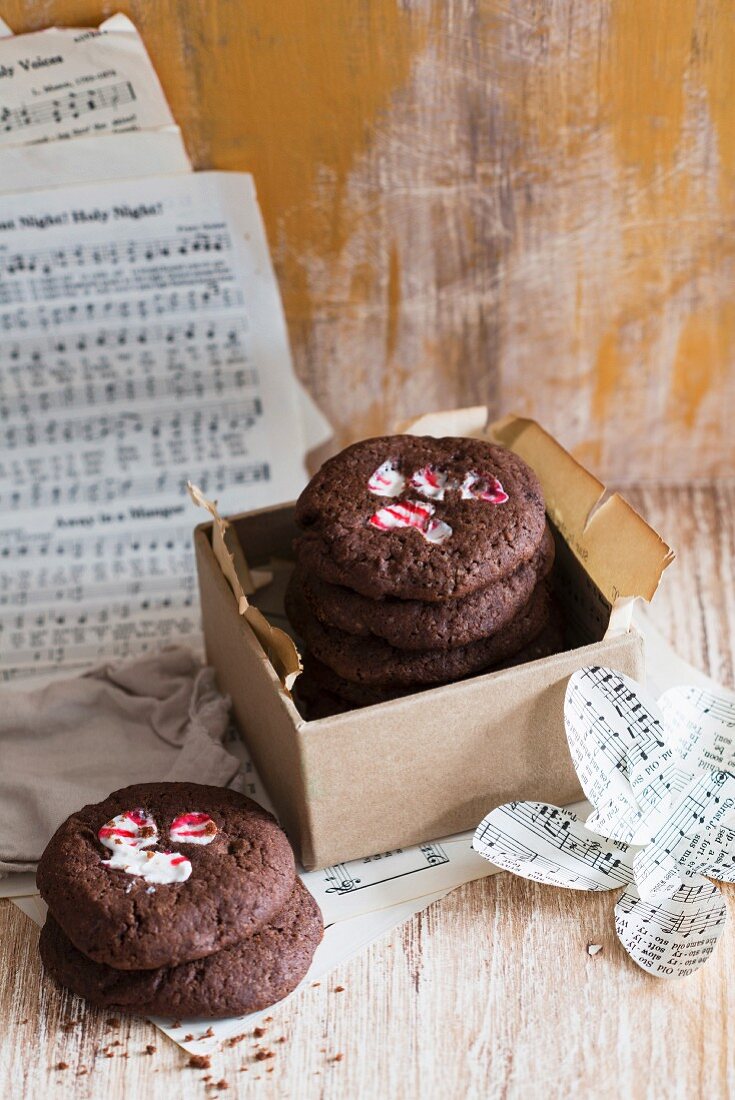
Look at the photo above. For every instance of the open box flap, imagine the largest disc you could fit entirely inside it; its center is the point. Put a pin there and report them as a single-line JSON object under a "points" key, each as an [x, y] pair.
{"points": [[622, 554], [277, 644]]}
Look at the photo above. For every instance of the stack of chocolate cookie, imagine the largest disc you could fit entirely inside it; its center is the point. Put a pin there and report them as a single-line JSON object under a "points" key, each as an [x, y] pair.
{"points": [[176, 899], [421, 561]]}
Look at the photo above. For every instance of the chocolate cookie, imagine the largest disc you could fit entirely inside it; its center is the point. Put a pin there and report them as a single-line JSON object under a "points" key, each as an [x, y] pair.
{"points": [[325, 693], [416, 624], [420, 518], [162, 873], [373, 661], [252, 974]]}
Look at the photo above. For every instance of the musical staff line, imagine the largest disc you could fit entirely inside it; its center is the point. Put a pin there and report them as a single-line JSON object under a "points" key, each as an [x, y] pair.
{"points": [[70, 105]]}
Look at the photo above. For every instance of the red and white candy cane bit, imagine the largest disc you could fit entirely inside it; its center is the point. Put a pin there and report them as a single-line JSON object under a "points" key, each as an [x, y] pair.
{"points": [[192, 828], [430, 482], [483, 487], [386, 481], [412, 513], [132, 828]]}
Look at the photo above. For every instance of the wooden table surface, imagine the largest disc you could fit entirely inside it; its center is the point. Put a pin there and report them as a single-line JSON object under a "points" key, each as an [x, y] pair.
{"points": [[488, 993]]}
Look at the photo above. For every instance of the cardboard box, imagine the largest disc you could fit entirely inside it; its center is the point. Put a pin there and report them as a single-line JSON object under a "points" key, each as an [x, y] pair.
{"points": [[434, 763]]}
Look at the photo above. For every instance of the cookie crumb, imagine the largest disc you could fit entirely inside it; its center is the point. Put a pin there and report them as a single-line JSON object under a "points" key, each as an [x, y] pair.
{"points": [[235, 1039], [282, 1039], [174, 1024], [337, 1057], [270, 1069], [62, 1065], [222, 1084], [208, 1034], [258, 1032], [315, 984], [268, 1019], [261, 1055], [188, 1038], [150, 1048], [199, 1061], [339, 989], [81, 1071], [594, 948]]}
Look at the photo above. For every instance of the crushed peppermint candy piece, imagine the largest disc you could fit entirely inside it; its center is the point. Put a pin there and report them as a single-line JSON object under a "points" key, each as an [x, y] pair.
{"points": [[386, 481], [594, 948], [430, 482], [158, 867], [133, 829], [192, 828], [478, 487], [412, 513]]}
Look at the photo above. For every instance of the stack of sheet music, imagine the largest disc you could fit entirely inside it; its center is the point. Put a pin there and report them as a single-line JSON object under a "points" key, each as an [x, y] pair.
{"points": [[142, 342]]}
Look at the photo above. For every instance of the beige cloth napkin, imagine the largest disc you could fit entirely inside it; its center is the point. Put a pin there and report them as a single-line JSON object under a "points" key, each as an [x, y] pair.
{"points": [[154, 718]]}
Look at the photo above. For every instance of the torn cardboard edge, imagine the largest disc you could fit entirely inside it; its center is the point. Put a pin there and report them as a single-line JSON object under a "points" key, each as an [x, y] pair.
{"points": [[276, 643], [622, 554]]}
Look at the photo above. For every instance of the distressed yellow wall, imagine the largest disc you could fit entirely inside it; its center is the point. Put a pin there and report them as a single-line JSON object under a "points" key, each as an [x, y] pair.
{"points": [[530, 204]]}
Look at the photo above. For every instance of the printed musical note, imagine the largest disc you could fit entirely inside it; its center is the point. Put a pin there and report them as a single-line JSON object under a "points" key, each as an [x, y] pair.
{"points": [[68, 105]]}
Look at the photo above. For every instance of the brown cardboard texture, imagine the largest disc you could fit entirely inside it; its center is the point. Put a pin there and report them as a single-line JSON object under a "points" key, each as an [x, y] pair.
{"points": [[430, 764]]}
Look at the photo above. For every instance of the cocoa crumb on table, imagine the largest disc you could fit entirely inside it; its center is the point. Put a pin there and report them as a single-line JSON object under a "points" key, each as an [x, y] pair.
{"points": [[208, 1034], [258, 1032], [81, 1071], [199, 1061], [339, 989], [150, 1048], [62, 1065], [235, 1039], [337, 1057], [188, 1038], [261, 1055], [222, 1084]]}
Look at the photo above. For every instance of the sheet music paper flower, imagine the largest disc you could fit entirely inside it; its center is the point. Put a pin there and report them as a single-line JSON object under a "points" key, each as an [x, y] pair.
{"points": [[661, 780]]}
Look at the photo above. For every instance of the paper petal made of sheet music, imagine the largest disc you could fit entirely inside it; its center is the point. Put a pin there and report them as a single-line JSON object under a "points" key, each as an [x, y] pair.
{"points": [[700, 727], [695, 837], [673, 938], [551, 845], [616, 739]]}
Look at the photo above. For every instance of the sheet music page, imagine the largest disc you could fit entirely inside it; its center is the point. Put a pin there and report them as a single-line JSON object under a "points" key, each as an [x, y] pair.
{"points": [[78, 105], [66, 83], [142, 342]]}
